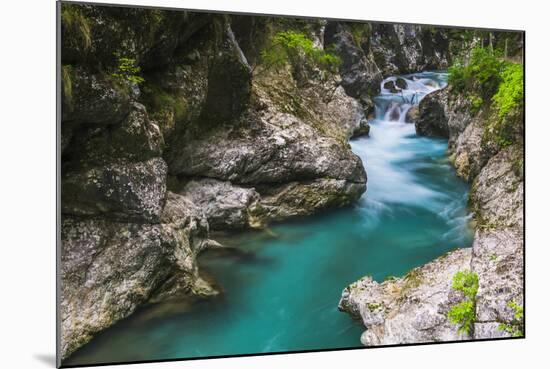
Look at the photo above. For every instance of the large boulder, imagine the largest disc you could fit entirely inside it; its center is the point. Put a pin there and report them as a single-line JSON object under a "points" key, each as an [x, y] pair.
{"points": [[135, 138], [124, 191], [432, 115], [298, 199], [93, 99], [498, 261], [226, 206], [282, 149], [497, 192]]}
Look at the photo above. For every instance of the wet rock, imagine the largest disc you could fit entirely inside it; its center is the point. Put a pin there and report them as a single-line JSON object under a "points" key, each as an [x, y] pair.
{"points": [[401, 83], [412, 115], [432, 116], [124, 191], [411, 309], [362, 130], [298, 199], [390, 86]]}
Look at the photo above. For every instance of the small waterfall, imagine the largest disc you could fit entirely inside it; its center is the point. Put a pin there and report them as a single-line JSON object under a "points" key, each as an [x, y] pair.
{"points": [[393, 145], [400, 93]]}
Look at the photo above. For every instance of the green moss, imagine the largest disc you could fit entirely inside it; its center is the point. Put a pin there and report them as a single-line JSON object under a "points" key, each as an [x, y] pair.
{"points": [[463, 313], [374, 306], [164, 107], [76, 25], [467, 282], [481, 76], [67, 84]]}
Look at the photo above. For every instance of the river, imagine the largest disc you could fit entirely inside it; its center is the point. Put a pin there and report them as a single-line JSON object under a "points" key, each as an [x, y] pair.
{"points": [[281, 291]]}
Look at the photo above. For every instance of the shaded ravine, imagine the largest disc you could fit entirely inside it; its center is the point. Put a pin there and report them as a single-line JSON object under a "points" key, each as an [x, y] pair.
{"points": [[282, 288]]}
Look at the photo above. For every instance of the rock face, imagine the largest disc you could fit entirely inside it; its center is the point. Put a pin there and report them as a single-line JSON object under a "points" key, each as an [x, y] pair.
{"points": [[406, 48], [110, 268], [411, 309], [210, 139], [360, 75], [496, 255]]}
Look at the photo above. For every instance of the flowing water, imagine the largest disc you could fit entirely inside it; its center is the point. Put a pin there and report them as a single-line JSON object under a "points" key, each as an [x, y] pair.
{"points": [[281, 291]]}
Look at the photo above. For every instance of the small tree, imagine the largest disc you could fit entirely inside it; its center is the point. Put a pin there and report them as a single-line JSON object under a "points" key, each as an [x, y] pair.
{"points": [[463, 313], [127, 70]]}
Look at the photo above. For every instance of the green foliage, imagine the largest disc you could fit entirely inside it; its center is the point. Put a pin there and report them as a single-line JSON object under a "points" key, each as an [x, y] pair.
{"points": [[127, 70], [466, 282], [360, 32], [510, 91], [481, 76], [463, 313], [487, 79], [515, 328], [290, 46], [76, 25]]}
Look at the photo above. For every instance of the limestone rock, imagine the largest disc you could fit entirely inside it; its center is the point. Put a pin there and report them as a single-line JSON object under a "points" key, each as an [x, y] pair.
{"points": [[225, 205], [110, 268], [93, 99], [124, 191], [411, 309], [432, 116]]}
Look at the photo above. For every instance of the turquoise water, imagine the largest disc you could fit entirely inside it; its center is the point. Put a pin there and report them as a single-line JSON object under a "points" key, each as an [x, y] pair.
{"points": [[281, 290]]}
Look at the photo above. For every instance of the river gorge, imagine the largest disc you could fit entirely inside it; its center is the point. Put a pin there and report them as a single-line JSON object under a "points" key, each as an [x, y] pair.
{"points": [[413, 212], [235, 184]]}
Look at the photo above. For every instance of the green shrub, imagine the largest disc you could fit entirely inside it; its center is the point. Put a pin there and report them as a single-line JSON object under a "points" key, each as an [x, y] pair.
{"points": [[466, 282], [515, 328], [359, 32], [127, 70], [510, 91], [480, 78], [487, 79], [290, 46], [463, 313]]}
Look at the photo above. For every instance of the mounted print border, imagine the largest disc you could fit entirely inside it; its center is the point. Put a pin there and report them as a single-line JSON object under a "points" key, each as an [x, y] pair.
{"points": [[235, 184]]}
